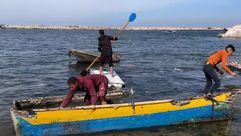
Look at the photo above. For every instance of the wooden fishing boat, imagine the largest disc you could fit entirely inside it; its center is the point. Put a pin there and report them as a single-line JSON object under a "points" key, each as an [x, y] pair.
{"points": [[235, 66], [83, 56], [97, 118]]}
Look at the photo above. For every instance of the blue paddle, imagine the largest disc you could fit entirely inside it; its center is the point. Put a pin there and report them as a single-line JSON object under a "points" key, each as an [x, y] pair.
{"points": [[132, 17]]}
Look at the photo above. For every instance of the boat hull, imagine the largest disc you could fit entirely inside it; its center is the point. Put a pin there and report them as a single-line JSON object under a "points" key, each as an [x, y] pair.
{"points": [[100, 118], [83, 56], [140, 121], [235, 66]]}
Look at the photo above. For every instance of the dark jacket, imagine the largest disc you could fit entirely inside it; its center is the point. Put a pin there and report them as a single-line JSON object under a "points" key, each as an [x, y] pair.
{"points": [[105, 44]]}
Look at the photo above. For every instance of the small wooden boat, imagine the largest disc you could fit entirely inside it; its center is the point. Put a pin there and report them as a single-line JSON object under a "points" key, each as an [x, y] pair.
{"points": [[235, 66], [83, 56], [169, 31], [97, 118]]}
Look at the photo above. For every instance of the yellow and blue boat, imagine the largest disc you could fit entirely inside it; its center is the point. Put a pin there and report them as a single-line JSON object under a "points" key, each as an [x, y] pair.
{"points": [[97, 118]]}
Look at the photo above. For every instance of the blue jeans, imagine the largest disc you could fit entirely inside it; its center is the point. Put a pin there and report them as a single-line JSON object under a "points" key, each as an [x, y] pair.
{"points": [[211, 76]]}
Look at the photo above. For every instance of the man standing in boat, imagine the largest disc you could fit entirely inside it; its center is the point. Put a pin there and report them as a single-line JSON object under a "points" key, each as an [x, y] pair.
{"points": [[94, 85], [106, 51], [220, 56]]}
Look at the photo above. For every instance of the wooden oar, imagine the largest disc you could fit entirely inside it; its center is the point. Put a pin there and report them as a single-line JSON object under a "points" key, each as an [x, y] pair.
{"points": [[132, 17]]}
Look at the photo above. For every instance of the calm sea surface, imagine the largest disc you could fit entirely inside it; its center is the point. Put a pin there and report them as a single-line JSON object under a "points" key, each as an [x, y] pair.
{"points": [[156, 64]]}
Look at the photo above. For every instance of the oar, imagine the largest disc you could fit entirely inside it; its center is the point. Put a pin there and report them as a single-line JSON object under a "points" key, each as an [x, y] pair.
{"points": [[132, 17]]}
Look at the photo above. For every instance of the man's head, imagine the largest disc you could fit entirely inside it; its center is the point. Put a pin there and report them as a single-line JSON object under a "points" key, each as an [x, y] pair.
{"points": [[73, 83], [101, 32], [230, 49]]}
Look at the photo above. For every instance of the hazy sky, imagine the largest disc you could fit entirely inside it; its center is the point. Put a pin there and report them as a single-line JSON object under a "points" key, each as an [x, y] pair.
{"points": [[223, 13]]}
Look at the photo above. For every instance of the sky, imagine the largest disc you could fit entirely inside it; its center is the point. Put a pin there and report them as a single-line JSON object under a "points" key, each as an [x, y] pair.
{"points": [[174, 13]]}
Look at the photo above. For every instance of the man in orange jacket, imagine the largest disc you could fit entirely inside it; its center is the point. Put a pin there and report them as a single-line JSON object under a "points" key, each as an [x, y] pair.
{"points": [[220, 56]]}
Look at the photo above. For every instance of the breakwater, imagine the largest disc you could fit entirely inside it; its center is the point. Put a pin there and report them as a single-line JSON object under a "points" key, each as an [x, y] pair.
{"points": [[76, 27]]}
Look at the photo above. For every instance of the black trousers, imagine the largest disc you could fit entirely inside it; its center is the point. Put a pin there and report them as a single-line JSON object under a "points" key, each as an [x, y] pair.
{"points": [[106, 59], [211, 76]]}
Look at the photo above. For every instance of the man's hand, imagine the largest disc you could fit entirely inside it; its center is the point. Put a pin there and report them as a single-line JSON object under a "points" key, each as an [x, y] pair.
{"points": [[233, 74]]}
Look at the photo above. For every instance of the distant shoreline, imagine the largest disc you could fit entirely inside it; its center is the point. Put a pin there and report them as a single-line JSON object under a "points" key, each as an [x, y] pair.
{"points": [[75, 27]]}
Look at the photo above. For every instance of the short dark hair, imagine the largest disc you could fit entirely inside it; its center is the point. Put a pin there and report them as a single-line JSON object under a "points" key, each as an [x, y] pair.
{"points": [[230, 46], [72, 80], [101, 31]]}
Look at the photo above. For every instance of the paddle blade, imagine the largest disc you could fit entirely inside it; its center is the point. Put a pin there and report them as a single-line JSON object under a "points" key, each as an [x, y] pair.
{"points": [[132, 17], [84, 73]]}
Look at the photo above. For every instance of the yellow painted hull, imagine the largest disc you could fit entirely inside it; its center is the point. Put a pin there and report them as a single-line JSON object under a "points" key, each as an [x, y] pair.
{"points": [[97, 118]]}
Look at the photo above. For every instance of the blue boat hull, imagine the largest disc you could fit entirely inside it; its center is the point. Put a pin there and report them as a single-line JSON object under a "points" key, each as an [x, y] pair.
{"points": [[205, 113]]}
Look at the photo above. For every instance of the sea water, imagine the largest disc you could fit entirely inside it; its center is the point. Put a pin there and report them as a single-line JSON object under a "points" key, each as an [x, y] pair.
{"points": [[155, 64]]}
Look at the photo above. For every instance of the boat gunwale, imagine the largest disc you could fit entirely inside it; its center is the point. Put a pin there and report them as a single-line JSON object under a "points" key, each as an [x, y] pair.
{"points": [[58, 99], [123, 104], [230, 96], [78, 53], [84, 52], [109, 94]]}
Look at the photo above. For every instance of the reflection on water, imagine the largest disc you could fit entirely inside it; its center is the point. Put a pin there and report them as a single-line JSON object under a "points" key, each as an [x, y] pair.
{"points": [[218, 129]]}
